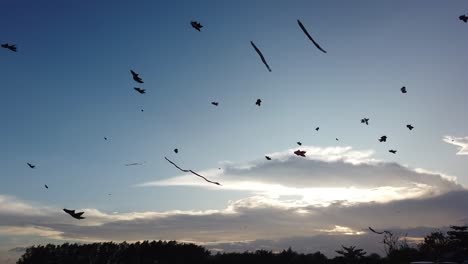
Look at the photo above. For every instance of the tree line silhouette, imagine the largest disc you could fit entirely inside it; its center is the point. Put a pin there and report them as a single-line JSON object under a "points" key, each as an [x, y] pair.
{"points": [[437, 246]]}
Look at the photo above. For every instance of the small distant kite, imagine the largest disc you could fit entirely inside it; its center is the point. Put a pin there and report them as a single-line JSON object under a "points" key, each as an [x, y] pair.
{"points": [[261, 56], [135, 76], [309, 36], [300, 153], [142, 91], [463, 18], [196, 25], [74, 215], [11, 47]]}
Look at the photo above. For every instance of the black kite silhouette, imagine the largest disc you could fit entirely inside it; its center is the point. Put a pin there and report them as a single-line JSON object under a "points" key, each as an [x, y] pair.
{"points": [[31, 166], [176, 151], [73, 214], [196, 25], [392, 151], [310, 37], [191, 171], [383, 139], [215, 103], [259, 102], [299, 143], [135, 76], [463, 18], [317, 128], [410, 127], [134, 164], [300, 153], [45, 185], [11, 47], [380, 233], [267, 157], [261, 56], [403, 89], [365, 121], [142, 91]]}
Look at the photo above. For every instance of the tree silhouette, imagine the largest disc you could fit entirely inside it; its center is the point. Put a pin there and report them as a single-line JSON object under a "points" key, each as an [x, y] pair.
{"points": [[351, 254]]}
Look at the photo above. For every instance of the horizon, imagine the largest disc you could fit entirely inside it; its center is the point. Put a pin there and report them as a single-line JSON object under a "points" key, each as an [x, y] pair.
{"points": [[98, 146]]}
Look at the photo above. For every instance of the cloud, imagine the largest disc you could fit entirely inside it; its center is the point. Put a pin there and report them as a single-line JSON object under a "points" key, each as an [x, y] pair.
{"points": [[262, 218], [461, 142], [325, 175], [326, 199]]}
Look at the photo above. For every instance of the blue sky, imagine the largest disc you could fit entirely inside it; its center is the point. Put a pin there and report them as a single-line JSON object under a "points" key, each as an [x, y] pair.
{"points": [[69, 85]]}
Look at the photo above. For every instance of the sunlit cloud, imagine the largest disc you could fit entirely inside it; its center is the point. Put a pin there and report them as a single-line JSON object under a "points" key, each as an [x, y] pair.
{"points": [[245, 221], [332, 195], [322, 177], [342, 230], [460, 142], [29, 231]]}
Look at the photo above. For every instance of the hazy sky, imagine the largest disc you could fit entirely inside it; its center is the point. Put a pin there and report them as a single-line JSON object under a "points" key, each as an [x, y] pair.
{"points": [[69, 86]]}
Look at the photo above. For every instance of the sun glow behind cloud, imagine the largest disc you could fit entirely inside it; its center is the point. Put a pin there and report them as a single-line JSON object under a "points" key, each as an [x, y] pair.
{"points": [[333, 194], [325, 176]]}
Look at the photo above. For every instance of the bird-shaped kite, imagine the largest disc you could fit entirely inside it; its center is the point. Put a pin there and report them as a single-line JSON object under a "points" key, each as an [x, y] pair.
{"points": [[383, 139], [215, 103], [309, 36], [365, 121], [463, 18], [300, 153], [261, 56], [135, 76], [392, 151], [141, 91], [10, 47], [410, 127], [196, 25], [73, 214], [31, 166]]}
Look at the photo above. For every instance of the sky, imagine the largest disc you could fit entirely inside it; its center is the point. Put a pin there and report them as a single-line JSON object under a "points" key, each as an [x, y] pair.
{"points": [[69, 86]]}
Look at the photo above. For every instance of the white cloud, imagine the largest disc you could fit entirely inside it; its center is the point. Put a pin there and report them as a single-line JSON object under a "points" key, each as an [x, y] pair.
{"points": [[29, 231], [331, 196], [249, 220], [461, 142], [325, 175]]}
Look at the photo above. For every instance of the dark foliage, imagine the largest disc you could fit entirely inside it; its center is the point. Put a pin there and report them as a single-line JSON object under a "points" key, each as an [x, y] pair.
{"points": [[437, 246]]}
